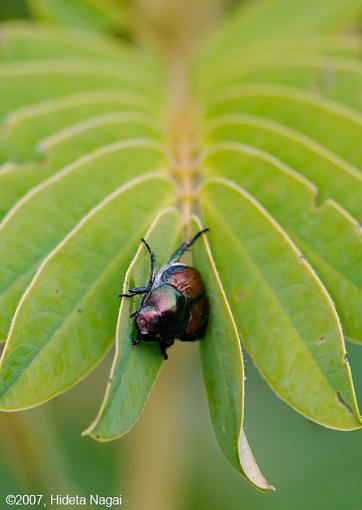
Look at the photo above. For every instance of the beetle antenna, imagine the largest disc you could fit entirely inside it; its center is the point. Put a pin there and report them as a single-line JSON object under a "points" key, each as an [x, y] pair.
{"points": [[185, 246], [153, 263]]}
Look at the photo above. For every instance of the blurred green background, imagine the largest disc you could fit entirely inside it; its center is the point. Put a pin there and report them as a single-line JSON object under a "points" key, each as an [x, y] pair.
{"points": [[170, 460], [13, 9]]}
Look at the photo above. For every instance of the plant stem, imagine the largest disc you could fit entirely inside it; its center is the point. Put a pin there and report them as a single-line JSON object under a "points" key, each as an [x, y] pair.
{"points": [[158, 445], [184, 138]]}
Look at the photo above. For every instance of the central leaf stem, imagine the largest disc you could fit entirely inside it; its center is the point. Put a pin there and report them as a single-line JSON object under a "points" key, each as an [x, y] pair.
{"points": [[184, 140]]}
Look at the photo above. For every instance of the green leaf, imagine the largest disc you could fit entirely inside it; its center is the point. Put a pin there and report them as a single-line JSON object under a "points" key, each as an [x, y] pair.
{"points": [[43, 217], [22, 41], [65, 321], [274, 19], [67, 146], [95, 132], [135, 369], [283, 313], [267, 21], [97, 15], [26, 128], [50, 79], [344, 47], [325, 234], [339, 128], [333, 177], [223, 369], [335, 78]]}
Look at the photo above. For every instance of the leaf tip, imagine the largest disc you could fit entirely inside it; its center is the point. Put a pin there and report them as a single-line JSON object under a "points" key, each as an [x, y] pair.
{"points": [[250, 467], [90, 430]]}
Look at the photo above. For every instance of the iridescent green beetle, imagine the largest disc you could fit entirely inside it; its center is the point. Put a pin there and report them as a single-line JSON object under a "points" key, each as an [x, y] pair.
{"points": [[174, 304]]}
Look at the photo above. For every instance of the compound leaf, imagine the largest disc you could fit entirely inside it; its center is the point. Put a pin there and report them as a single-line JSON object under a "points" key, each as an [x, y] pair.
{"points": [[87, 122]]}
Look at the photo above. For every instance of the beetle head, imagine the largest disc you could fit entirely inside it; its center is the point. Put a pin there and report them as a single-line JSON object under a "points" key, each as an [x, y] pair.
{"points": [[147, 320]]}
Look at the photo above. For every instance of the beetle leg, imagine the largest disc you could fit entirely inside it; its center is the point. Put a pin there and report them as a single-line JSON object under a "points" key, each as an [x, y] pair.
{"points": [[135, 291], [139, 290], [163, 348], [135, 340], [164, 345], [185, 246]]}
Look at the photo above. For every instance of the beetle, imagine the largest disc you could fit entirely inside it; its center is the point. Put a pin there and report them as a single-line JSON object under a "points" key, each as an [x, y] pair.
{"points": [[174, 304]]}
